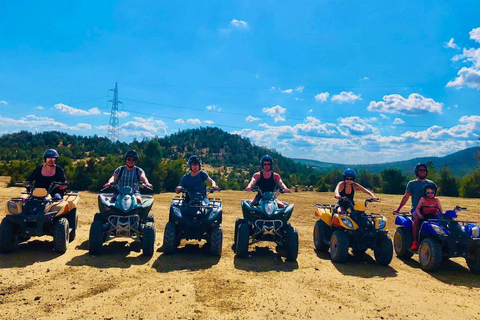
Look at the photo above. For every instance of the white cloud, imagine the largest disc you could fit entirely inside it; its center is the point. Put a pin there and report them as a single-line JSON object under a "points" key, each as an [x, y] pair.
{"points": [[123, 114], [384, 116], [276, 112], [415, 104], [322, 96], [239, 24], [398, 121], [77, 112], [311, 110], [451, 44], [366, 78], [208, 122], [35, 123], [251, 119], [39, 108], [287, 91], [213, 107], [469, 77], [357, 126], [180, 121], [3, 102], [346, 97], [142, 127], [299, 88], [194, 121], [475, 34]]}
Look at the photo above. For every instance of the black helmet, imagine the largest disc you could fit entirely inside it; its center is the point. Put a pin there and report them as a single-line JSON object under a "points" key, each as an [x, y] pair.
{"points": [[194, 159], [349, 173], [418, 166], [50, 153], [131, 154], [429, 185], [266, 158]]}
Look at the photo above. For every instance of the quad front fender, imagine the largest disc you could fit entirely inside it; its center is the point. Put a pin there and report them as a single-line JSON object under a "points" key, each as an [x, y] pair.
{"points": [[404, 221]]}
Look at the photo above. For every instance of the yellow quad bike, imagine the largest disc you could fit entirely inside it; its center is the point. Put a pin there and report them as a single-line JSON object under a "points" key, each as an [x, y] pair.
{"points": [[354, 229], [35, 213]]}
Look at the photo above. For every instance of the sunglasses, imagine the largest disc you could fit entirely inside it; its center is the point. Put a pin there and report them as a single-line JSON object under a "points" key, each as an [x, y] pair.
{"points": [[422, 170], [349, 179], [430, 192], [267, 164], [131, 159]]}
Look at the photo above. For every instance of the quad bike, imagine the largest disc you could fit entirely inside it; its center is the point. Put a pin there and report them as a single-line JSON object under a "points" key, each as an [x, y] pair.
{"points": [[442, 236], [123, 217], [192, 217], [266, 222], [36, 213], [352, 229]]}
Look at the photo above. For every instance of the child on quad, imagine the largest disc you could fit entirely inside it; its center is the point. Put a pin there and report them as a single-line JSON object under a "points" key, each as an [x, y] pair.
{"points": [[45, 174], [194, 181], [346, 189], [428, 207], [266, 180]]}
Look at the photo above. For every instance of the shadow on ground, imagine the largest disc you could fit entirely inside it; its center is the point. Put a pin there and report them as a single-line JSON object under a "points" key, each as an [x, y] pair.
{"points": [[190, 257], [264, 259]]}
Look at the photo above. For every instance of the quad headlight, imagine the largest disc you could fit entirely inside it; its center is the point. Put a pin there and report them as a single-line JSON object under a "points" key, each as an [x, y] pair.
{"points": [[348, 223], [14, 207], [382, 224], [177, 212], [126, 202], [475, 232], [214, 213], [269, 208], [439, 230]]}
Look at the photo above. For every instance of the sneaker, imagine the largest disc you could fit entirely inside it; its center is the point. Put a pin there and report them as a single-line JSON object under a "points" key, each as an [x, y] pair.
{"points": [[414, 246]]}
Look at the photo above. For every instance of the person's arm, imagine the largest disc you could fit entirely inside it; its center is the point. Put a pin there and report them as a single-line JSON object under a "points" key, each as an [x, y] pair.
{"points": [[144, 179], [340, 186], [61, 177], [112, 179], [404, 200], [364, 190], [418, 209], [278, 180], [212, 182], [439, 205], [181, 185], [255, 178]]}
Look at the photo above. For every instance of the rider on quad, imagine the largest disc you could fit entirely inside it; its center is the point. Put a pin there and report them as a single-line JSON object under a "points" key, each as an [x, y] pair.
{"points": [[45, 174], [428, 207], [346, 189], [129, 175], [415, 187], [194, 181], [266, 180]]}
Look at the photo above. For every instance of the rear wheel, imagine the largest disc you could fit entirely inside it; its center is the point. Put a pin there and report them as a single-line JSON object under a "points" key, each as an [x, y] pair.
{"points": [[95, 240], [216, 240], [73, 224], [473, 259], [61, 235], [430, 255], [339, 246], [291, 245], [237, 223], [319, 232], [8, 238], [402, 242], [243, 237], [170, 238], [148, 239], [383, 251]]}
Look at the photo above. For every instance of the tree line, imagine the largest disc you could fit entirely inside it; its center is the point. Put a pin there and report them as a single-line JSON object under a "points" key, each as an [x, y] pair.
{"points": [[90, 161]]}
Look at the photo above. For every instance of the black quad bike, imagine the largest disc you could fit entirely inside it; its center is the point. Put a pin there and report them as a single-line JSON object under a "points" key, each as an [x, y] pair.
{"points": [[193, 217], [36, 213], [266, 222], [123, 217], [354, 229]]}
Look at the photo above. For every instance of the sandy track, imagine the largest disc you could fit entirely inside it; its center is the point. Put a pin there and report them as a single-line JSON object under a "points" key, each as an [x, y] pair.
{"points": [[37, 283]]}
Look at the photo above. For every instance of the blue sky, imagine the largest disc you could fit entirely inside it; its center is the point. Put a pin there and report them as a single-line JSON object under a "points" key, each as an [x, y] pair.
{"points": [[336, 81]]}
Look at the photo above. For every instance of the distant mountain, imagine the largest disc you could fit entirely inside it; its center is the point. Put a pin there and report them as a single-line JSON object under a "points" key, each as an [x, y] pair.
{"points": [[461, 163]]}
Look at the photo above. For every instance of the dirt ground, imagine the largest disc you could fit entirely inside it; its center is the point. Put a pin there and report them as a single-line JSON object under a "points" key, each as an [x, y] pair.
{"points": [[37, 283]]}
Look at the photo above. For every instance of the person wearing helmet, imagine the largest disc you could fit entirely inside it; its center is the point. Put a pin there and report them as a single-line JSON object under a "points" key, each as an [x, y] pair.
{"points": [[428, 207], [415, 187], [194, 181], [49, 172], [129, 175], [347, 188], [266, 180]]}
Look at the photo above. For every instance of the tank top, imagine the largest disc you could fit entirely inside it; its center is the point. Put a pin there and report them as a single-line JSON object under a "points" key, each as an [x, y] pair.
{"points": [[267, 185], [348, 195], [429, 210]]}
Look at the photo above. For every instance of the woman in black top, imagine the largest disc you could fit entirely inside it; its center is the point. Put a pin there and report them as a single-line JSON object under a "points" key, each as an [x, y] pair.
{"points": [[346, 188], [49, 172]]}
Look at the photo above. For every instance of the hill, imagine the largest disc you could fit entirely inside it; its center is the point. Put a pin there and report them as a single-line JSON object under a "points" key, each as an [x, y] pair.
{"points": [[461, 163]]}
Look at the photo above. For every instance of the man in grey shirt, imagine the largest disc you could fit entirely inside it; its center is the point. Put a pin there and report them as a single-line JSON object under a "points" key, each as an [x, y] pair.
{"points": [[415, 187]]}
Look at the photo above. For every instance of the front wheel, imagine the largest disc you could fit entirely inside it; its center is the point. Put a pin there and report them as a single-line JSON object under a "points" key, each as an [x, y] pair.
{"points": [[73, 224], [243, 238], [339, 246], [61, 235], [8, 238], [170, 238], [383, 251], [95, 239], [473, 259], [238, 222], [430, 255], [319, 232], [291, 245], [216, 240], [148, 239], [402, 241]]}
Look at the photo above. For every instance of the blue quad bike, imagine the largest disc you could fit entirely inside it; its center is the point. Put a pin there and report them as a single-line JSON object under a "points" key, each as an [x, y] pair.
{"points": [[194, 217], [124, 217], [440, 237], [266, 222], [37, 213]]}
